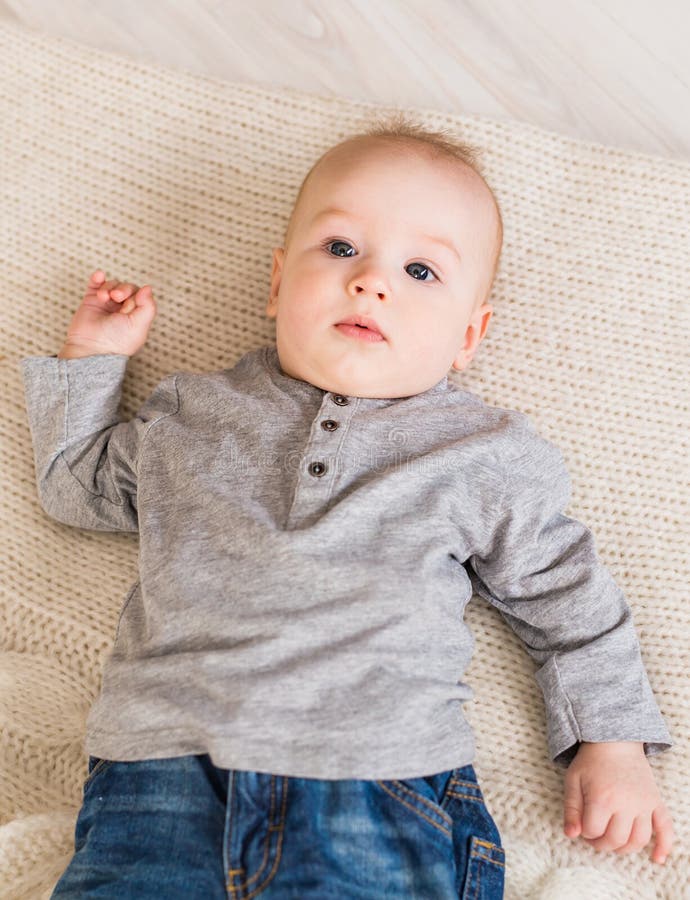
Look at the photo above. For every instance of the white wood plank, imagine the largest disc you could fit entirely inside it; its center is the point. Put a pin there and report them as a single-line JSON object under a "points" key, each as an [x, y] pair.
{"points": [[613, 71]]}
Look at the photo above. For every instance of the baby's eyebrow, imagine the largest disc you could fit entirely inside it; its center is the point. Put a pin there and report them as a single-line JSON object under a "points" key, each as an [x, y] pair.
{"points": [[333, 211], [442, 242]]}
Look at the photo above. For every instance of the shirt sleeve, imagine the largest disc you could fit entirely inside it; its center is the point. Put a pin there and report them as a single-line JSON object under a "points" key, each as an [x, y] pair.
{"points": [[85, 458], [541, 571]]}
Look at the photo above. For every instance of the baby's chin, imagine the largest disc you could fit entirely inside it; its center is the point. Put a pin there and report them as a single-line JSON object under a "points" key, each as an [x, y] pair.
{"points": [[361, 384], [370, 372], [368, 385]]}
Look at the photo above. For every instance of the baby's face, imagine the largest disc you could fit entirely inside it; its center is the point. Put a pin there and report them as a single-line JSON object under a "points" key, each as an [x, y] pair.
{"points": [[410, 248]]}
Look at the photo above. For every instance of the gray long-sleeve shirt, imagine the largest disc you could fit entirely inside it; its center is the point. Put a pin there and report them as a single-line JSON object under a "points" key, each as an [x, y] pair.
{"points": [[305, 562]]}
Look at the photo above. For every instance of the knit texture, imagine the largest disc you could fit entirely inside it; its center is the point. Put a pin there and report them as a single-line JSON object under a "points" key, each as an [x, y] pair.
{"points": [[186, 183]]}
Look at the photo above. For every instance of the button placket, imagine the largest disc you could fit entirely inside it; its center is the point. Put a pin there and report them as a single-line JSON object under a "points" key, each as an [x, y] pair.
{"points": [[318, 468], [318, 463]]}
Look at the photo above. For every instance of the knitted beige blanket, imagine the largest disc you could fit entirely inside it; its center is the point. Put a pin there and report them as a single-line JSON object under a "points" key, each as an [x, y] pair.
{"points": [[186, 183]]}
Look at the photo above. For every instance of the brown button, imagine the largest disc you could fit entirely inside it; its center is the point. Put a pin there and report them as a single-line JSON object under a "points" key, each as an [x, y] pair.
{"points": [[329, 425], [318, 469], [340, 400]]}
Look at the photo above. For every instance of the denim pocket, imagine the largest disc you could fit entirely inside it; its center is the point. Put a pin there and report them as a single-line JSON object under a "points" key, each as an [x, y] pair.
{"points": [[423, 797], [96, 766], [480, 858], [485, 871]]}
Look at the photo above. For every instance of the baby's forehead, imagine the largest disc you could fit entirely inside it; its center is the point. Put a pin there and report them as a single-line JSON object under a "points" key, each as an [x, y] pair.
{"points": [[353, 162]]}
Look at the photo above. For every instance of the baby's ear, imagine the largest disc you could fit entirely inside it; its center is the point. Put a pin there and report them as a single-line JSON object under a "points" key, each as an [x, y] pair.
{"points": [[474, 335], [276, 274]]}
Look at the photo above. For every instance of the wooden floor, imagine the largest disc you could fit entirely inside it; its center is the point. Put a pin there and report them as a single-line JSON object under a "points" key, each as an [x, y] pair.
{"points": [[611, 71]]}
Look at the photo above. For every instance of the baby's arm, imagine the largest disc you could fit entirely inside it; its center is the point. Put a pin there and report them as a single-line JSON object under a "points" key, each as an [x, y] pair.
{"points": [[612, 800], [541, 570], [86, 461]]}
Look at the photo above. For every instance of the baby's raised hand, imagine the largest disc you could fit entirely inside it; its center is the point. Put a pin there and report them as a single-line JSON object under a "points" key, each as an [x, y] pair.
{"points": [[612, 800], [114, 317]]}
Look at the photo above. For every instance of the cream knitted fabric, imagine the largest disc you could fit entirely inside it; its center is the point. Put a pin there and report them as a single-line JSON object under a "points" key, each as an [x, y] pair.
{"points": [[186, 183]]}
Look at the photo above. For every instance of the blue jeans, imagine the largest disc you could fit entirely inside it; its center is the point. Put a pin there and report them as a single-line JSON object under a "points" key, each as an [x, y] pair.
{"points": [[183, 828]]}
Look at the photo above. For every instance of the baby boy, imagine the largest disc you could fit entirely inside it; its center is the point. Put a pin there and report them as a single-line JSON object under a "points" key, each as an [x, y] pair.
{"points": [[281, 712]]}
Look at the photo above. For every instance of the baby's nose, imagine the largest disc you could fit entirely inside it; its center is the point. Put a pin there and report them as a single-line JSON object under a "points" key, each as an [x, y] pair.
{"points": [[369, 284], [363, 290]]}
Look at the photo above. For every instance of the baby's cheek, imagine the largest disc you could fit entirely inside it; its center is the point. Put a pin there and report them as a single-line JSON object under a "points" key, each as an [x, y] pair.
{"points": [[427, 340], [299, 317], [304, 309]]}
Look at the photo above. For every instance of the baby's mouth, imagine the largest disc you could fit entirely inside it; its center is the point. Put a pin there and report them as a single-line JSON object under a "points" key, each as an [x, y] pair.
{"points": [[361, 327], [359, 332]]}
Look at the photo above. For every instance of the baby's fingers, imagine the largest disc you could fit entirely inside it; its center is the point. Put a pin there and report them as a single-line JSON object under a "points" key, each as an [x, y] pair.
{"points": [[663, 829], [96, 278], [143, 295], [122, 291], [114, 292], [102, 291]]}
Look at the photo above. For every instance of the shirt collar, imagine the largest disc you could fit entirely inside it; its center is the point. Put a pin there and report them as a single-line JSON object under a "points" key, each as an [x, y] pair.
{"points": [[294, 386]]}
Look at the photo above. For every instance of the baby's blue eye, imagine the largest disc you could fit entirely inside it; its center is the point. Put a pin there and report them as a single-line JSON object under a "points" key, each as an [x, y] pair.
{"points": [[344, 243], [421, 266]]}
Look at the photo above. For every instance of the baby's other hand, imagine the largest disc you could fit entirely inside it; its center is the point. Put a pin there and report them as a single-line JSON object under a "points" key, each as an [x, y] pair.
{"points": [[612, 800], [114, 317]]}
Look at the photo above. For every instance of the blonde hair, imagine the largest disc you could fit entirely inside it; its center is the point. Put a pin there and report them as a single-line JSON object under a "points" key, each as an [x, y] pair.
{"points": [[400, 130]]}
